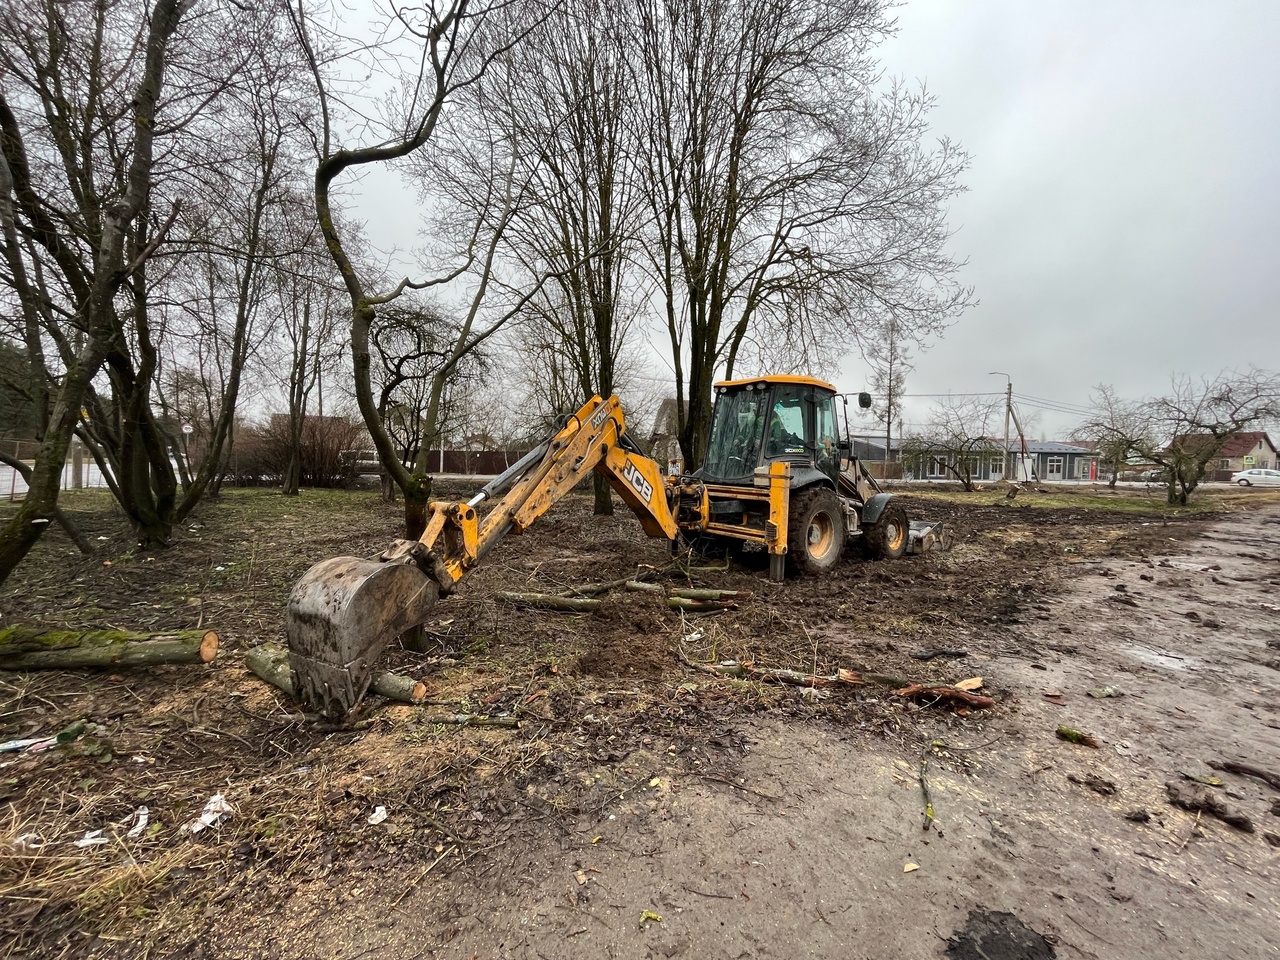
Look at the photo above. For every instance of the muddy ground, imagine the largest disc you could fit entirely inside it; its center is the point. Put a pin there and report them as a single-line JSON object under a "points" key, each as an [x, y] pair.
{"points": [[756, 819]]}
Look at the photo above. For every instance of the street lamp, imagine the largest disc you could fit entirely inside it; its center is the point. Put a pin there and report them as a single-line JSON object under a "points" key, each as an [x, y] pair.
{"points": [[1008, 407]]}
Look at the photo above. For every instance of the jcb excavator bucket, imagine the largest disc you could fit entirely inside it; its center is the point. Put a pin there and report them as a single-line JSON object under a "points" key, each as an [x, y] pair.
{"points": [[341, 615]]}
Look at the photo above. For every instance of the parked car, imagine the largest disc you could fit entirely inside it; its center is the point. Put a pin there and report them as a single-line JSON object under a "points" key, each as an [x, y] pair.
{"points": [[1257, 477]]}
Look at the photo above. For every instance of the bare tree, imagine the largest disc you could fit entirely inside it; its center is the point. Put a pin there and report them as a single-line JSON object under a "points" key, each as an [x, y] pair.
{"points": [[451, 49], [786, 194], [82, 235], [957, 439], [1110, 429], [1184, 429], [573, 115], [890, 360], [233, 161]]}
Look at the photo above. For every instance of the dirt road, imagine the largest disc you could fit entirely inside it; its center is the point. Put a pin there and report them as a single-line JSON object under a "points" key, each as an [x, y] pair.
{"points": [[801, 849]]}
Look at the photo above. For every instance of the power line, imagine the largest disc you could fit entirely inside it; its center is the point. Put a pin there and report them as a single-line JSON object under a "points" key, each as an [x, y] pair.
{"points": [[1066, 405], [937, 395]]}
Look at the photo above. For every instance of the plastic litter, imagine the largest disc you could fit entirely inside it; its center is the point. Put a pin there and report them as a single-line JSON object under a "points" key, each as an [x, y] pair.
{"points": [[379, 816], [67, 734], [140, 817], [215, 811], [92, 838], [27, 843]]}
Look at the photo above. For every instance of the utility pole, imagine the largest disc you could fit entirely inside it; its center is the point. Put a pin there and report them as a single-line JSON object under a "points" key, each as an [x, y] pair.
{"points": [[1008, 409]]}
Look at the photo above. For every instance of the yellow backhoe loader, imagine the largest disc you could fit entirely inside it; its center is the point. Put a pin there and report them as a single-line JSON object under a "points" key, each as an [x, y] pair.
{"points": [[776, 475]]}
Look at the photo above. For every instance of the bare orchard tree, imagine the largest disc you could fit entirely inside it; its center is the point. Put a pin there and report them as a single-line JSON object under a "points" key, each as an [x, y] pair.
{"points": [[956, 439], [793, 199], [79, 123], [1183, 430], [1111, 427]]}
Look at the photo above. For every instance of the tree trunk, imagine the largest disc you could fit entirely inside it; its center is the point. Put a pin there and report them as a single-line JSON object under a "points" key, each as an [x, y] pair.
{"points": [[416, 497], [39, 508], [26, 648], [604, 496]]}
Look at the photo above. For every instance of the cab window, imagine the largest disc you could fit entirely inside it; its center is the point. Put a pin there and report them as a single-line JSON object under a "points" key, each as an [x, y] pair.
{"points": [[828, 453], [786, 433]]}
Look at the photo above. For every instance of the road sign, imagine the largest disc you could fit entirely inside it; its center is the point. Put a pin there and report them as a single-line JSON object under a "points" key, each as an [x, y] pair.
{"points": [[188, 428], [1248, 461]]}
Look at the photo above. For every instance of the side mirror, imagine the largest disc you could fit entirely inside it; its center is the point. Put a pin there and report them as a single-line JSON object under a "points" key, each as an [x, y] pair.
{"points": [[864, 400], [845, 447]]}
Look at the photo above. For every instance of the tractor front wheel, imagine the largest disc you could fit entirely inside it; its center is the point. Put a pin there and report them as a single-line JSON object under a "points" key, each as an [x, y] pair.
{"points": [[815, 531], [886, 539]]}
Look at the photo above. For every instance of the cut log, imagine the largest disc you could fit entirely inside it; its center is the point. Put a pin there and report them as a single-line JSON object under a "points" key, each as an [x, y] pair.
{"points": [[270, 662], [26, 648]]}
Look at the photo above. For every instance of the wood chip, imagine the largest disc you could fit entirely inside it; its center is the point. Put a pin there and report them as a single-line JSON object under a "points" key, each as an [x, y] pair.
{"points": [[973, 683]]}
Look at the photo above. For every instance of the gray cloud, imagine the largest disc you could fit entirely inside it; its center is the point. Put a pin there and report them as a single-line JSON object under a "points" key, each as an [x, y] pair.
{"points": [[1123, 216]]}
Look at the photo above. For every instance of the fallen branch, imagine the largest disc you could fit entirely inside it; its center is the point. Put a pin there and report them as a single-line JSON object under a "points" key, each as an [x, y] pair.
{"points": [[1245, 770], [689, 605], [944, 692], [550, 601], [26, 648], [270, 662], [884, 680], [687, 593], [746, 670], [472, 720], [547, 601]]}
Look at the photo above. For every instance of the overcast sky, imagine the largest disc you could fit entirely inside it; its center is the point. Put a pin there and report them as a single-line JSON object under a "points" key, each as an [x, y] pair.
{"points": [[1123, 214], [1122, 219]]}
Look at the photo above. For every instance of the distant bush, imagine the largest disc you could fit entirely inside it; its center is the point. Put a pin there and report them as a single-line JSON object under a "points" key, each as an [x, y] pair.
{"points": [[262, 452]]}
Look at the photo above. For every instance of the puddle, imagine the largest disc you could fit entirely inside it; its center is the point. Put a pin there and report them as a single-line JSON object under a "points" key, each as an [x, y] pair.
{"points": [[997, 936]]}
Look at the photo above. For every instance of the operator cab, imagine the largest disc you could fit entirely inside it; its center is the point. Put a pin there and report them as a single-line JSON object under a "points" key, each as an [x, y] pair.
{"points": [[765, 419]]}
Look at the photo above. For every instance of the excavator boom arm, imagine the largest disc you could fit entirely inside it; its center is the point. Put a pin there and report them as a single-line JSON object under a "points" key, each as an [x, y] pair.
{"points": [[344, 611]]}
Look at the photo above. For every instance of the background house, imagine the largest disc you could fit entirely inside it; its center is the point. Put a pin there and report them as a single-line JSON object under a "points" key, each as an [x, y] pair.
{"points": [[1243, 451], [1045, 460]]}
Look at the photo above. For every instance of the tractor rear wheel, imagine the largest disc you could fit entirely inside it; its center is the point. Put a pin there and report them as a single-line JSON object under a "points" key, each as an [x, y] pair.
{"points": [[815, 531], [886, 539]]}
